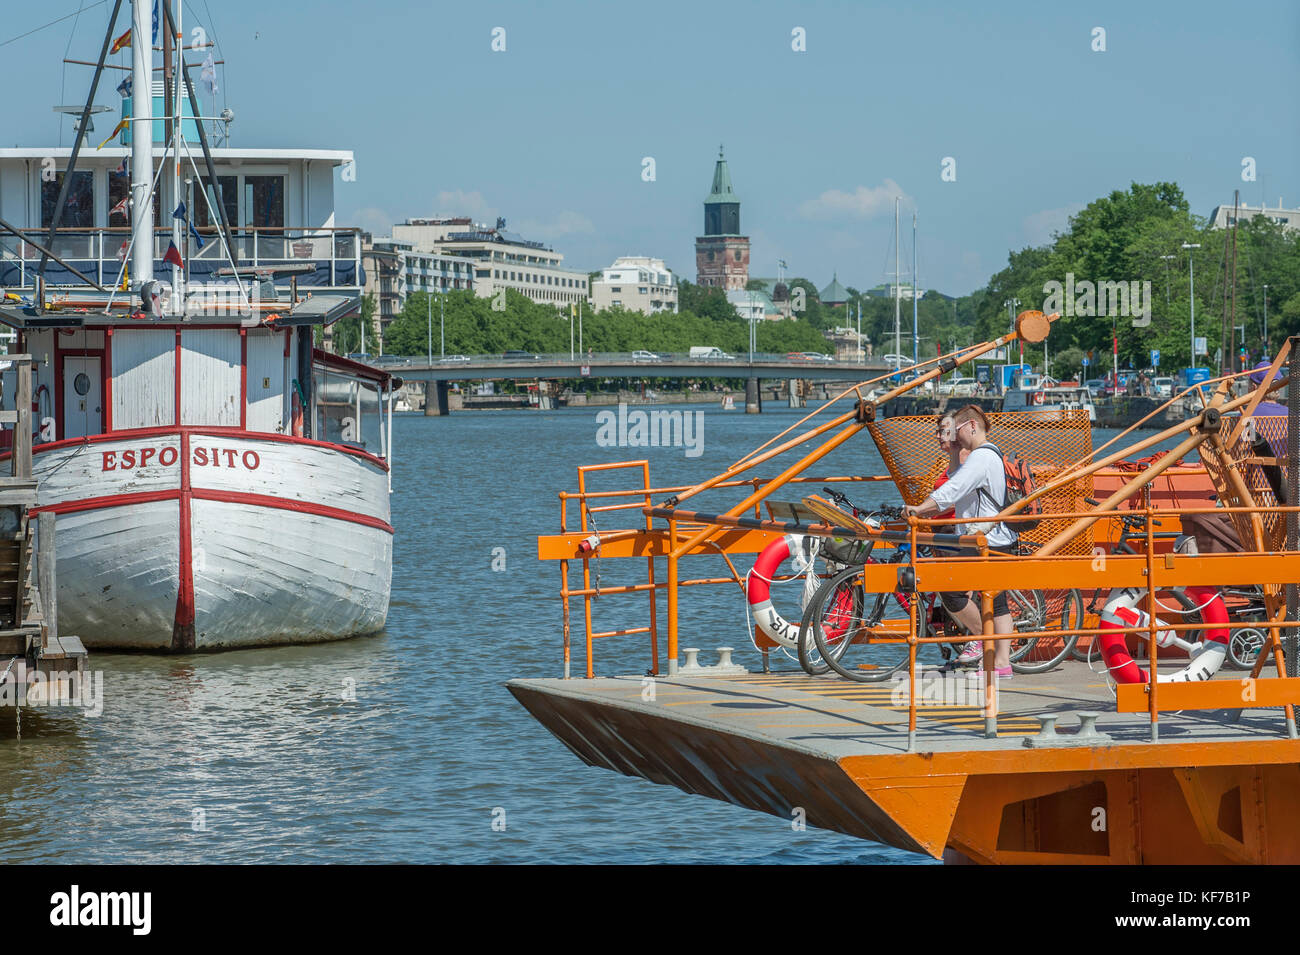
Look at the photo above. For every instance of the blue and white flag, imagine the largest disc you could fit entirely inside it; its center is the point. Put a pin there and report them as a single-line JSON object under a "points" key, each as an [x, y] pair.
{"points": [[124, 87], [183, 215], [208, 75], [155, 22]]}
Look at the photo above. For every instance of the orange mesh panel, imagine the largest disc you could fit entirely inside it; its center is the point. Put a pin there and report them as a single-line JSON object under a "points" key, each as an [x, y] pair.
{"points": [[1047, 440], [1273, 429]]}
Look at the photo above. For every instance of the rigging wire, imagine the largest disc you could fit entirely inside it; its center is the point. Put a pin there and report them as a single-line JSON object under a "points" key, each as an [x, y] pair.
{"points": [[63, 77], [52, 22]]}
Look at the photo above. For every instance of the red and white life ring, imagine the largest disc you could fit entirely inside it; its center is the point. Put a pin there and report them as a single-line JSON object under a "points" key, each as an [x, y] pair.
{"points": [[1122, 610], [1038, 397], [758, 589]]}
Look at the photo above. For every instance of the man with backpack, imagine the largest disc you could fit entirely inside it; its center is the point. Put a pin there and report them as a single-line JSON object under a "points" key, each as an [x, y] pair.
{"points": [[977, 490]]}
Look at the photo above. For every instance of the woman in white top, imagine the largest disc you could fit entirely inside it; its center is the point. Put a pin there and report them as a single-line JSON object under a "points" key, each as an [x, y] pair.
{"points": [[976, 491]]}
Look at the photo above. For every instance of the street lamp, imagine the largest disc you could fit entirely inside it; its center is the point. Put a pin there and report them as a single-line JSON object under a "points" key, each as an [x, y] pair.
{"points": [[751, 327], [1191, 280], [429, 301], [442, 321]]}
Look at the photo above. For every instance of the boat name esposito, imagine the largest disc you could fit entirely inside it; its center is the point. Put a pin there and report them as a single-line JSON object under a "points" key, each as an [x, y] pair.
{"points": [[166, 457]]}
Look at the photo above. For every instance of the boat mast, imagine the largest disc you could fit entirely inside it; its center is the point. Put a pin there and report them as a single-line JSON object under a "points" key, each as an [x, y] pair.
{"points": [[915, 330], [898, 292], [174, 143], [1232, 320], [141, 143]]}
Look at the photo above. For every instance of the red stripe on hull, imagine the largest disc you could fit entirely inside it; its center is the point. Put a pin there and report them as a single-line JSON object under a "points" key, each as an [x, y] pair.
{"points": [[227, 497], [283, 504], [106, 501]]}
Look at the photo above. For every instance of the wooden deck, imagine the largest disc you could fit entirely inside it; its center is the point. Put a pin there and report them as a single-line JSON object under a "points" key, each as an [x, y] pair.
{"points": [[840, 751]]}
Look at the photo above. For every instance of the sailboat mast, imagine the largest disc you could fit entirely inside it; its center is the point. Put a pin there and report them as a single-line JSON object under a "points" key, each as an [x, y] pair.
{"points": [[915, 329], [898, 292], [1232, 320], [174, 108], [141, 142]]}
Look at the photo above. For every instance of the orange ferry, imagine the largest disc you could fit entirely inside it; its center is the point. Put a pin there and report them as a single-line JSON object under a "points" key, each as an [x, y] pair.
{"points": [[1093, 761]]}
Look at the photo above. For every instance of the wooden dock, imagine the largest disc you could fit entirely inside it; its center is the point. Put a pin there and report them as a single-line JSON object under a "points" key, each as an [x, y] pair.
{"points": [[30, 644], [839, 751]]}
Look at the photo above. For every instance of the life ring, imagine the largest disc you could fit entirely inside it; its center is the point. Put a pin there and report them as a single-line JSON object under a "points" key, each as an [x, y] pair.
{"points": [[1038, 397], [758, 588], [1122, 610]]}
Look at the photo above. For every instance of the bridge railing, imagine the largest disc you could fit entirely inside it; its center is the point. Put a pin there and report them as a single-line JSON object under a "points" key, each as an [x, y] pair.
{"points": [[624, 358]]}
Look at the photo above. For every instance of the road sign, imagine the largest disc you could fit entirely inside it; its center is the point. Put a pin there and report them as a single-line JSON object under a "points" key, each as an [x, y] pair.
{"points": [[1155, 358], [586, 371], [1200, 347], [1085, 361]]}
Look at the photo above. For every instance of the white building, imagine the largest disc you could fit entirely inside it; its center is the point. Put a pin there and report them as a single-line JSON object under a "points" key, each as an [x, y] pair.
{"points": [[637, 283], [500, 259], [395, 269], [903, 291], [1288, 219], [753, 304]]}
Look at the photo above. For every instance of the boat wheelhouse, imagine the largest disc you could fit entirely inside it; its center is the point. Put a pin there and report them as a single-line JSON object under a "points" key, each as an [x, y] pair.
{"points": [[279, 204], [217, 483]]}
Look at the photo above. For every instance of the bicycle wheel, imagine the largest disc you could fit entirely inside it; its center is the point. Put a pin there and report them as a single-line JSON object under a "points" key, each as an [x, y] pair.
{"points": [[1050, 609], [862, 661], [1244, 647], [837, 615]]}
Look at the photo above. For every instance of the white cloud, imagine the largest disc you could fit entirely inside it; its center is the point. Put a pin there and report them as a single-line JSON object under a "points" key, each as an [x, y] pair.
{"points": [[863, 203], [376, 221], [457, 202], [1041, 226], [567, 222]]}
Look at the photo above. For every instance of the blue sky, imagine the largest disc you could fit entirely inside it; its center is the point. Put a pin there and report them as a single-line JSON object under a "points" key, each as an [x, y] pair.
{"points": [[551, 133]]}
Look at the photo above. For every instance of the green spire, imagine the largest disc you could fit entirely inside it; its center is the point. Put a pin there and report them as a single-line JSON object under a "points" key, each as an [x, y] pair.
{"points": [[722, 191]]}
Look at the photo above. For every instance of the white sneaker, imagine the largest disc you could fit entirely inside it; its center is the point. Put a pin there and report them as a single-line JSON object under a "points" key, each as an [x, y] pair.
{"points": [[973, 652]]}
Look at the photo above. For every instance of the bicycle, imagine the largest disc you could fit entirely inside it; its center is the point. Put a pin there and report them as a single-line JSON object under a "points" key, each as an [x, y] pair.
{"points": [[835, 621]]}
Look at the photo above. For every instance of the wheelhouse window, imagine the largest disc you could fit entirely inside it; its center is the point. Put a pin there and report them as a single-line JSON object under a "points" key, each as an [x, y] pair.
{"points": [[78, 209], [226, 193], [347, 410], [264, 201]]}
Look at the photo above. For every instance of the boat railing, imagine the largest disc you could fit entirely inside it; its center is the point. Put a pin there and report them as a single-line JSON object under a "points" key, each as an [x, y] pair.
{"points": [[98, 252], [594, 537], [1153, 572]]}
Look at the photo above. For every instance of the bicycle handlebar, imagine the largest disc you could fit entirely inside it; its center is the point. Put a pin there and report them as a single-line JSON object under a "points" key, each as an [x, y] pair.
{"points": [[1132, 520]]}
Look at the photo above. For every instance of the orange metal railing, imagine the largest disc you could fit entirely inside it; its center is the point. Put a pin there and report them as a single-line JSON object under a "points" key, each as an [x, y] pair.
{"points": [[1065, 558]]}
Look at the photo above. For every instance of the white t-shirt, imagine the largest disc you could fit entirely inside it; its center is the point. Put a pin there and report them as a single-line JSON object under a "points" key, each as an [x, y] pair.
{"points": [[982, 472]]}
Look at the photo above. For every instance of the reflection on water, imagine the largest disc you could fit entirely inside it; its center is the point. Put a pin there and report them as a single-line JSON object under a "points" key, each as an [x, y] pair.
{"points": [[400, 747]]}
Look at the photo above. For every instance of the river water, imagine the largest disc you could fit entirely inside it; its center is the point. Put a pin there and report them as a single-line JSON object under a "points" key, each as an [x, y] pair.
{"points": [[406, 746]]}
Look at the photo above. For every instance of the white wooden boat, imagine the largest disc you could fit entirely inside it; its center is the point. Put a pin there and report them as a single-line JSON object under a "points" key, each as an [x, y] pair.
{"points": [[228, 526], [218, 481]]}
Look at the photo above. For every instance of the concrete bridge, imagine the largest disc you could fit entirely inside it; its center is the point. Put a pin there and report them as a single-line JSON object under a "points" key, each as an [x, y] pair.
{"points": [[554, 367]]}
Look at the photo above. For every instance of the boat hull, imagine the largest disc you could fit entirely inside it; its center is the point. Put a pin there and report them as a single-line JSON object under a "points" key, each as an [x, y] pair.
{"points": [[188, 539]]}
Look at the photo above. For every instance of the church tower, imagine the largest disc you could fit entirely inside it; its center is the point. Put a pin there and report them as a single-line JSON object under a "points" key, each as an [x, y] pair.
{"points": [[722, 253]]}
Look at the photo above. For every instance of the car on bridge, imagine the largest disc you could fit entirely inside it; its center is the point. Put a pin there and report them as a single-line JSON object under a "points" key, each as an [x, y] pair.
{"points": [[643, 355], [959, 387], [452, 359], [897, 360], [525, 355]]}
